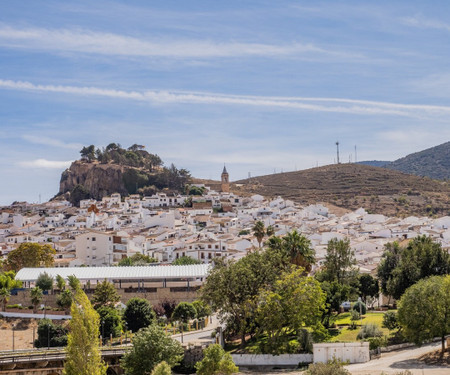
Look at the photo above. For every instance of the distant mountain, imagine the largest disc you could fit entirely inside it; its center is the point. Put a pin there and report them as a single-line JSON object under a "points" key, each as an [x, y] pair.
{"points": [[374, 163], [351, 186], [433, 162]]}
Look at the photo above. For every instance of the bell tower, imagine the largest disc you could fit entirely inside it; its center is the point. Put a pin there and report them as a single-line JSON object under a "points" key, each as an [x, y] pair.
{"points": [[225, 187]]}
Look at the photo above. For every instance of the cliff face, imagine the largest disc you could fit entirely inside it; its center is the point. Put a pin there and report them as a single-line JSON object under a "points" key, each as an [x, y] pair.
{"points": [[99, 179]]}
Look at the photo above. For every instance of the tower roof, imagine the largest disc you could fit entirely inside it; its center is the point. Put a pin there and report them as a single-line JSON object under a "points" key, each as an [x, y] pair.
{"points": [[224, 170]]}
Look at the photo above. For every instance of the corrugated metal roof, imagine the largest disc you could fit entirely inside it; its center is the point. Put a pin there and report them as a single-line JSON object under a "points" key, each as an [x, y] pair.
{"points": [[132, 272]]}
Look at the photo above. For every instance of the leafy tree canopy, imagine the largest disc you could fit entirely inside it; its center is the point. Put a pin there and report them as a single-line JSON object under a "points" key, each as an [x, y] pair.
{"points": [[424, 310], [83, 352], [184, 312], [44, 281], [138, 314], [7, 283], [105, 295], [150, 347], [137, 259], [30, 255], [401, 267]]}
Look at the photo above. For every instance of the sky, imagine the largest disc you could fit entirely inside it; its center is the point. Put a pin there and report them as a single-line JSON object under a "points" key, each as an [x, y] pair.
{"points": [[262, 86]]}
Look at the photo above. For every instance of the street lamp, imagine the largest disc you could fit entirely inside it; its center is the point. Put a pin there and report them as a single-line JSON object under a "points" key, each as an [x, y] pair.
{"points": [[12, 326], [126, 331]]}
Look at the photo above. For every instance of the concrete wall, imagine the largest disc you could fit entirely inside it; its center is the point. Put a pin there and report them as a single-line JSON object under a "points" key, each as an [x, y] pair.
{"points": [[159, 295], [353, 352], [283, 360]]}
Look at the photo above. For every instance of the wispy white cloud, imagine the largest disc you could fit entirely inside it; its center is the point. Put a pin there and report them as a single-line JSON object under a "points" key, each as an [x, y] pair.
{"points": [[40, 140], [352, 106], [87, 41], [426, 23], [44, 163]]}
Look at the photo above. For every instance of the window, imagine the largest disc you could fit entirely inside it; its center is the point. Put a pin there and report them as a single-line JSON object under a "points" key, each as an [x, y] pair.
{"points": [[202, 255], [93, 239], [209, 255], [209, 246]]}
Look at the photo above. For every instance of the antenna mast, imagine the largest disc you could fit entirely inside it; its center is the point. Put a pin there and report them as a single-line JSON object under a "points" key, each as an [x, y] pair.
{"points": [[356, 158], [337, 147]]}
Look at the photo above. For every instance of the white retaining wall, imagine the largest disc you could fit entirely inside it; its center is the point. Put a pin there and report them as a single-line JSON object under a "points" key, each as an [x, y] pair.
{"points": [[252, 360], [353, 352]]}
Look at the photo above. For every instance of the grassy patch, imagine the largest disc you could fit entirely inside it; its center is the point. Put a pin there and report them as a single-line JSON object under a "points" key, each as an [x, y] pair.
{"points": [[347, 335]]}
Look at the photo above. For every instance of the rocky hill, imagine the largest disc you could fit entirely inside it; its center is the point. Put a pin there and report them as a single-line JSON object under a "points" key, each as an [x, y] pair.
{"points": [[433, 162], [352, 186], [117, 170]]}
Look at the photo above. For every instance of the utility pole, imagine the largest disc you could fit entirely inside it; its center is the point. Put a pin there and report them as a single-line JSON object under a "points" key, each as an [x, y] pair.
{"points": [[356, 159], [337, 148]]}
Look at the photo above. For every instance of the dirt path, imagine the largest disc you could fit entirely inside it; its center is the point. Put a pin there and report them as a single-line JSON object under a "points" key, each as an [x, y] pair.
{"points": [[23, 333]]}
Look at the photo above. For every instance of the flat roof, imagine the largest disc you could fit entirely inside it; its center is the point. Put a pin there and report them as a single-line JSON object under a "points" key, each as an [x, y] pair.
{"points": [[117, 273]]}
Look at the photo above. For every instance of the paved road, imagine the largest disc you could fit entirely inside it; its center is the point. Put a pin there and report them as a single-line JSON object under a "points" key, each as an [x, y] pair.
{"points": [[395, 362]]}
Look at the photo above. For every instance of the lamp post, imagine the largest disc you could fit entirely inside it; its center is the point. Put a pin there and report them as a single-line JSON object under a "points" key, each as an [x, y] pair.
{"points": [[126, 332], [12, 326], [360, 309]]}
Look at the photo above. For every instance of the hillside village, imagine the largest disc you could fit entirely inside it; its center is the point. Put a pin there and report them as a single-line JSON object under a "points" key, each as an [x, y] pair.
{"points": [[219, 224]]}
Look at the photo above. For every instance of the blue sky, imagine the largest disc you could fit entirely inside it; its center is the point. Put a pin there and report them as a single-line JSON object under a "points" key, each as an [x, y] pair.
{"points": [[259, 85]]}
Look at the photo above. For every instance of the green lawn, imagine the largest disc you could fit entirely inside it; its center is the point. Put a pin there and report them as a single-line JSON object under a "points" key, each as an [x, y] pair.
{"points": [[346, 335]]}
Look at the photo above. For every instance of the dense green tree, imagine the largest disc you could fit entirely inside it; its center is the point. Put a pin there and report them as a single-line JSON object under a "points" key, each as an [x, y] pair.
{"points": [[216, 362], [232, 287], [402, 267], [424, 310], [44, 281], [74, 283], [7, 283], [88, 153], [138, 314], [64, 300], [184, 312], [83, 352], [296, 301], [150, 347], [203, 310], [185, 261], [259, 231], [31, 255], [111, 321], [368, 287], [50, 334], [339, 263], [105, 295], [60, 282], [36, 296]]}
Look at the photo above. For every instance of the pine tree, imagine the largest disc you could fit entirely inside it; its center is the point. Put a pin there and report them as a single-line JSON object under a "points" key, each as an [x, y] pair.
{"points": [[83, 353]]}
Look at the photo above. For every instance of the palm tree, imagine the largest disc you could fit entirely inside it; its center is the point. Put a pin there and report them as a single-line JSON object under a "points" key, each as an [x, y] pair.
{"points": [[270, 231], [7, 283], [60, 282], [36, 295], [259, 231], [299, 249]]}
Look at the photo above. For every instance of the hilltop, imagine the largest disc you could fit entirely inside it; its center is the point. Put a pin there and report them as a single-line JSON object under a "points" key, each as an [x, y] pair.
{"points": [[352, 186], [433, 162], [118, 170]]}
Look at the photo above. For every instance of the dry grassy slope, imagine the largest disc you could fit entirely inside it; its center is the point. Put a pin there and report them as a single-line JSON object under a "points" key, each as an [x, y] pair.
{"points": [[352, 185]]}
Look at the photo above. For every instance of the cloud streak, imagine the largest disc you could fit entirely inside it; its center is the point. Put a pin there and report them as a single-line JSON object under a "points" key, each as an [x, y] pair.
{"points": [[44, 164], [46, 141], [86, 41], [333, 105]]}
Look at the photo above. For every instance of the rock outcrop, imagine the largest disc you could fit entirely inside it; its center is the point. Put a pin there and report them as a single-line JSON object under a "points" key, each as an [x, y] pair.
{"points": [[98, 179]]}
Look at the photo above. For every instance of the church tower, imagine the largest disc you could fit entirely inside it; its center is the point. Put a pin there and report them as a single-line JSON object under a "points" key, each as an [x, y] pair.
{"points": [[225, 181]]}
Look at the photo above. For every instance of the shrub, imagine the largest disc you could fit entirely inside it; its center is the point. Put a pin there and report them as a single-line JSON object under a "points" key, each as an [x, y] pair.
{"points": [[57, 333], [162, 368], [369, 330], [390, 321], [184, 312], [357, 305], [376, 342], [333, 367], [216, 361]]}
